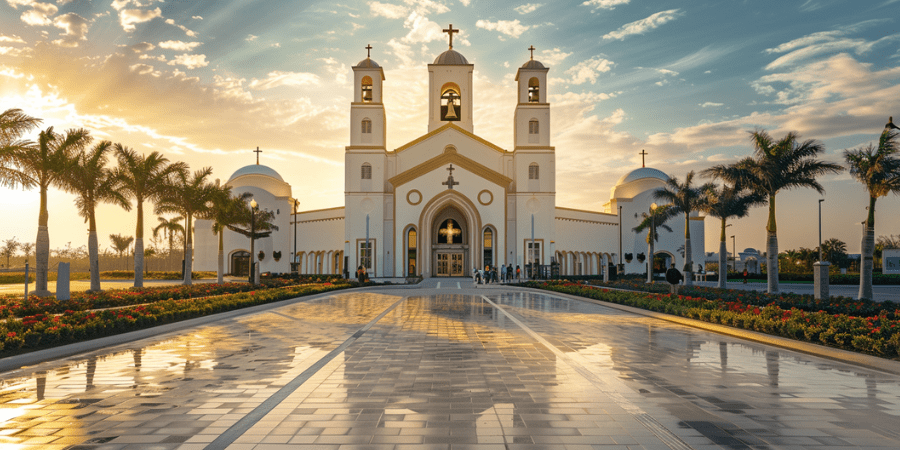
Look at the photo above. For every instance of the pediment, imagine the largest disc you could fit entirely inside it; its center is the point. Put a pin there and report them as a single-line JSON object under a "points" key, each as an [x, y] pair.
{"points": [[451, 157], [449, 128]]}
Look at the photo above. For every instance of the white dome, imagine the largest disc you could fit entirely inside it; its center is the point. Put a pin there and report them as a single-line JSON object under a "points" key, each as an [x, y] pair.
{"points": [[451, 58], [643, 172], [256, 169], [368, 63]]}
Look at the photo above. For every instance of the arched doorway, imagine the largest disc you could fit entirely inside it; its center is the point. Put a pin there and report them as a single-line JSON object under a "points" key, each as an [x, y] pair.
{"points": [[450, 249], [240, 263], [661, 262]]}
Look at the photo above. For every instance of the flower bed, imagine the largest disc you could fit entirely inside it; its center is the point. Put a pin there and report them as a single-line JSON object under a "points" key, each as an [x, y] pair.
{"points": [[873, 333], [15, 306], [43, 330]]}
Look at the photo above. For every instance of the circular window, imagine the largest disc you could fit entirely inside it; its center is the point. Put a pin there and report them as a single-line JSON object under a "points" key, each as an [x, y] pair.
{"points": [[485, 197], [414, 197]]}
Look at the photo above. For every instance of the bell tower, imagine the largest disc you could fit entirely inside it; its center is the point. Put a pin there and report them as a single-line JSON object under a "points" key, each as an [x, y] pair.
{"points": [[450, 89], [367, 120], [532, 121]]}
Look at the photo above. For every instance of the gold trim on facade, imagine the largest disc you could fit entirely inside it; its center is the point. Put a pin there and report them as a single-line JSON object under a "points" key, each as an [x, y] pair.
{"points": [[448, 158], [410, 200], [441, 129], [490, 197]]}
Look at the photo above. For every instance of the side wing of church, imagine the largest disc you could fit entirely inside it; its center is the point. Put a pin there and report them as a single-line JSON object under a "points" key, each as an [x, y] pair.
{"points": [[450, 201]]}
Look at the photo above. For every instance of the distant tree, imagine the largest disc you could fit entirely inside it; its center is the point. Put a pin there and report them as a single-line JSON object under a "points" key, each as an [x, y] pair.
{"points": [[171, 228], [143, 178], [9, 249], [93, 183], [189, 195], [835, 251], [652, 221], [121, 244], [13, 124], [27, 247], [685, 199], [878, 169], [773, 167], [46, 164], [724, 203]]}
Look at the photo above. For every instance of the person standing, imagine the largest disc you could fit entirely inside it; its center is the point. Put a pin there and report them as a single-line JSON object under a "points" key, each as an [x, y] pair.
{"points": [[745, 275], [518, 272], [503, 274], [674, 277]]}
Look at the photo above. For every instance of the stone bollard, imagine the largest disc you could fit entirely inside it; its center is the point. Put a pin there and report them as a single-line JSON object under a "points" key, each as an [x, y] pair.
{"points": [[820, 277], [62, 282]]}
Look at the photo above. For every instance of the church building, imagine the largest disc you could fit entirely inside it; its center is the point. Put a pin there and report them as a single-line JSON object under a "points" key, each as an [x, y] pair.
{"points": [[449, 201]]}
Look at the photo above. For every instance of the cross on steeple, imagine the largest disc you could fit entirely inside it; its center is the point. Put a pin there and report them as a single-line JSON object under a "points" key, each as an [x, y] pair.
{"points": [[450, 183], [532, 51], [643, 154], [257, 151], [369, 51], [450, 31]]}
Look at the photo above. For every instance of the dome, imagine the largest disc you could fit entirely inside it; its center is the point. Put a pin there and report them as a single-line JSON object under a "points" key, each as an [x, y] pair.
{"points": [[256, 169], [533, 64], [368, 63], [643, 172], [451, 58]]}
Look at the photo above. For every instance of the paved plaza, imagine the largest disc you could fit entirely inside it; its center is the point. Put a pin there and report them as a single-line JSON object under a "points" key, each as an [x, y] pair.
{"points": [[447, 366]]}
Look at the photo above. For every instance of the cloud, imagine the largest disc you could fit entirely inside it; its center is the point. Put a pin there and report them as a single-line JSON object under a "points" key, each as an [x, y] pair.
{"points": [[388, 10], [144, 69], [190, 61], [179, 45], [142, 47], [605, 4], [13, 51], [279, 78], [129, 17], [588, 70], [251, 38], [512, 28], [39, 14], [74, 28], [11, 39], [553, 56], [528, 8], [643, 25], [817, 44], [710, 104], [421, 29], [197, 17], [181, 27]]}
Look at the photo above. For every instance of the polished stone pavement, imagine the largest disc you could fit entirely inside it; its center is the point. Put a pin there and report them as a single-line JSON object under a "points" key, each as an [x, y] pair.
{"points": [[447, 366]]}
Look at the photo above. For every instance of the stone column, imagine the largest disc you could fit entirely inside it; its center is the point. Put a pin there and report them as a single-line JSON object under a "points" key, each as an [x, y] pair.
{"points": [[820, 276]]}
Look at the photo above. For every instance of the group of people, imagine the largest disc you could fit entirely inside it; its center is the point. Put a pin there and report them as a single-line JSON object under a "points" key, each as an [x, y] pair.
{"points": [[490, 274]]}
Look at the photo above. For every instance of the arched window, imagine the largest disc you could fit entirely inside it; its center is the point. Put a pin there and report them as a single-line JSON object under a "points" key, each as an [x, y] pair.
{"points": [[366, 126], [450, 106], [533, 172], [411, 252], [533, 127], [488, 247], [366, 171], [367, 89], [534, 91]]}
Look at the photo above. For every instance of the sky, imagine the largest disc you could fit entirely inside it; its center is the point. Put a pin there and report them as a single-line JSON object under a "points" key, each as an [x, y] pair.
{"points": [[208, 82]]}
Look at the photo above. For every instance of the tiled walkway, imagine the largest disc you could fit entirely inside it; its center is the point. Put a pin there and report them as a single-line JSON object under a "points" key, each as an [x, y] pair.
{"points": [[447, 368]]}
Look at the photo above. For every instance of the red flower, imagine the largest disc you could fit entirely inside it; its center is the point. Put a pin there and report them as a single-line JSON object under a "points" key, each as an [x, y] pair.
{"points": [[11, 334]]}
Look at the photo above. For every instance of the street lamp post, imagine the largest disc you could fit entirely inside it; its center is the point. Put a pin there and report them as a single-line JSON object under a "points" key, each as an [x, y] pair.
{"points": [[733, 254], [820, 228], [650, 243], [296, 261], [253, 208], [820, 267]]}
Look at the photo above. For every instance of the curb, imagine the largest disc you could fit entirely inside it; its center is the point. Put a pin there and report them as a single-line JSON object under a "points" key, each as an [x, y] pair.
{"points": [[834, 354]]}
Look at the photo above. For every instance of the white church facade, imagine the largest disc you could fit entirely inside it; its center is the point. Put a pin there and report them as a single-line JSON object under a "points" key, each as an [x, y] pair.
{"points": [[449, 201]]}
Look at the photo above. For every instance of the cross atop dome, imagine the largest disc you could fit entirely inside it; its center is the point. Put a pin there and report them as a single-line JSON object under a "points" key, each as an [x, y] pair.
{"points": [[531, 49], [450, 31], [643, 153], [257, 151], [368, 50]]}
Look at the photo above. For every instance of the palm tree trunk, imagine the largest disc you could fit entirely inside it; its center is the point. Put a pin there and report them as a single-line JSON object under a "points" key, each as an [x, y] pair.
{"points": [[93, 254], [772, 249], [188, 251], [866, 266], [42, 250], [688, 256], [220, 278], [650, 257], [139, 246], [723, 259]]}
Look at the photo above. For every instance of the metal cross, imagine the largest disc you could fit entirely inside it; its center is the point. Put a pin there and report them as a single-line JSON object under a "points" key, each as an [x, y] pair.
{"points": [[450, 183], [450, 31], [532, 51], [369, 51], [643, 154], [257, 151]]}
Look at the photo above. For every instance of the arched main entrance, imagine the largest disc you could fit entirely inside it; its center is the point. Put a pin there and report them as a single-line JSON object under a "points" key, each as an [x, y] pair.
{"points": [[465, 242], [450, 236]]}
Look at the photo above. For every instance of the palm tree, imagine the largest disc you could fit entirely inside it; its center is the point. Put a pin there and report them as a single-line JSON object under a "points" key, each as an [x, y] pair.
{"points": [[835, 250], [259, 224], [93, 183], [652, 222], [45, 165], [878, 169], [188, 195], [170, 227], [121, 244], [13, 124], [27, 247], [226, 210], [724, 203], [143, 178], [686, 199], [774, 166], [9, 249]]}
